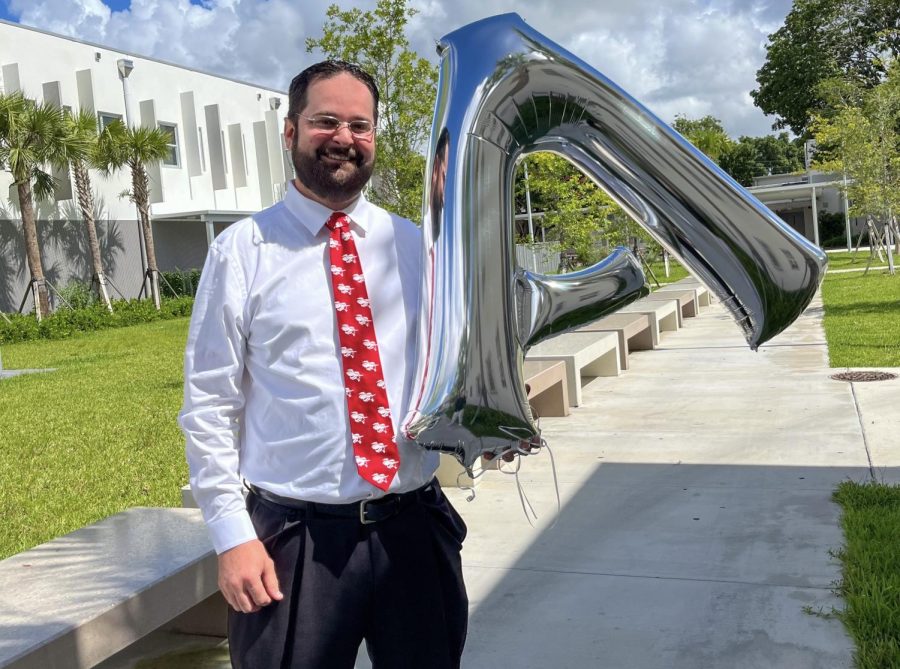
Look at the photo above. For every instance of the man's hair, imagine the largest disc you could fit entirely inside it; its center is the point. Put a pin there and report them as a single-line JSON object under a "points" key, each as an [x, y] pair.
{"points": [[297, 94]]}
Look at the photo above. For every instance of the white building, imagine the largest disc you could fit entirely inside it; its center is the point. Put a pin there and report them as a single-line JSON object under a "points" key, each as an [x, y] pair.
{"points": [[801, 200], [227, 156]]}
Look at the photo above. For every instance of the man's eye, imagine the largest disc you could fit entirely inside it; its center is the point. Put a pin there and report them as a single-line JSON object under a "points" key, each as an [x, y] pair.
{"points": [[360, 127], [326, 123]]}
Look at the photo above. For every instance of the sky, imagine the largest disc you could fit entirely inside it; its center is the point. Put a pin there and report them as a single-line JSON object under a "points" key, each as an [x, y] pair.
{"points": [[690, 57]]}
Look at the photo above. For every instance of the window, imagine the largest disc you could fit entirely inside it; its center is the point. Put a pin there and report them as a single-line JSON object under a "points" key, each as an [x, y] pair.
{"points": [[105, 118], [172, 159]]}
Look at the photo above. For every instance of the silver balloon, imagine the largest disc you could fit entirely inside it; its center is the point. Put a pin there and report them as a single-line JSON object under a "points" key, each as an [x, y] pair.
{"points": [[505, 91]]}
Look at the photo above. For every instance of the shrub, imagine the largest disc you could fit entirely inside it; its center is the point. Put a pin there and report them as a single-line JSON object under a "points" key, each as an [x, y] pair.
{"points": [[65, 323], [179, 282], [76, 295]]}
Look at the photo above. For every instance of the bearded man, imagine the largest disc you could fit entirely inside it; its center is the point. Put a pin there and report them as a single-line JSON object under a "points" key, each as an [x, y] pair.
{"points": [[298, 365]]}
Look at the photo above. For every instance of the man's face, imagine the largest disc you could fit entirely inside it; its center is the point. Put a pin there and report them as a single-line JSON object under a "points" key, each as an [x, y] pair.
{"points": [[334, 166]]}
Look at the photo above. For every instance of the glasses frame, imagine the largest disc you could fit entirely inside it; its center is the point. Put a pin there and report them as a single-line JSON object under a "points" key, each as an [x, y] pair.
{"points": [[340, 124]]}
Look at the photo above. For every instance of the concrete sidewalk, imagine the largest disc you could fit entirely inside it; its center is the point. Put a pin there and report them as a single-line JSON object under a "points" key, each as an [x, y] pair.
{"points": [[696, 517]]}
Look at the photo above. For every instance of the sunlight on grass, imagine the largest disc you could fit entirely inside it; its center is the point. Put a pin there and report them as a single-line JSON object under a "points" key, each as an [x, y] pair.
{"points": [[870, 574], [96, 436], [855, 260], [862, 319]]}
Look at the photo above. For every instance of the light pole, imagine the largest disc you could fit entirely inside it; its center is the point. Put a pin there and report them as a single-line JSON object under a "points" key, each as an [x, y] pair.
{"points": [[809, 149], [125, 68]]}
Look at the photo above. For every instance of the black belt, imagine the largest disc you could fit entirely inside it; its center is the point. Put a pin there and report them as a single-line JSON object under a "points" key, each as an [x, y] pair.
{"points": [[366, 511]]}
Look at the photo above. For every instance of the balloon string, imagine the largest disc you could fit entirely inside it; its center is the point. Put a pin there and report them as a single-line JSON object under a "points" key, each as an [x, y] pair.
{"points": [[527, 508]]}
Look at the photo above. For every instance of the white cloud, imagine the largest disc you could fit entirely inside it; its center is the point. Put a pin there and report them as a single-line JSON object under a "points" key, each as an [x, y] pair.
{"points": [[694, 57]]}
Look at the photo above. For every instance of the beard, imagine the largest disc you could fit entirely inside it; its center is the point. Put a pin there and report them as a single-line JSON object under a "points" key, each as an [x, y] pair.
{"points": [[332, 182]]}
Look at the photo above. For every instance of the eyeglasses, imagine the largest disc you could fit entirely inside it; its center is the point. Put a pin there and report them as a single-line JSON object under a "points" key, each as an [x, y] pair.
{"points": [[330, 124]]}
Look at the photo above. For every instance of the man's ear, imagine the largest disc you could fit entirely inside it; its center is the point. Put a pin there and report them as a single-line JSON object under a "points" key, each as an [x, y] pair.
{"points": [[290, 133]]}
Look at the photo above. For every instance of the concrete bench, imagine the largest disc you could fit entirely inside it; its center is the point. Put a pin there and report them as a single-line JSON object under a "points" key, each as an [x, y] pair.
{"points": [[686, 300], [79, 599], [586, 354], [701, 295], [633, 331], [663, 316], [704, 297], [548, 392]]}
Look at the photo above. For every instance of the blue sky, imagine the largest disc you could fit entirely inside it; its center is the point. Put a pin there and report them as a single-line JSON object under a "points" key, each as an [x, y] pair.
{"points": [[115, 5]]}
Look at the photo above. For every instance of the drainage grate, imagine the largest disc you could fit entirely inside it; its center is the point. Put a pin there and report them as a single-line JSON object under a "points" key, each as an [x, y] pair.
{"points": [[854, 377]]}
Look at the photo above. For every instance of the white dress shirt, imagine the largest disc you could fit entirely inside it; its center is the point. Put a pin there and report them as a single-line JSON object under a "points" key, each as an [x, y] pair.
{"points": [[264, 393]]}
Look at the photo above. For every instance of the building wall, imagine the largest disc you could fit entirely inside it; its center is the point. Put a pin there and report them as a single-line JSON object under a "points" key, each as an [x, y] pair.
{"points": [[230, 152]]}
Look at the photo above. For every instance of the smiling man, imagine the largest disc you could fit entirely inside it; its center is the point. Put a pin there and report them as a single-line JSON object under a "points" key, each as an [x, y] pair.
{"points": [[297, 369]]}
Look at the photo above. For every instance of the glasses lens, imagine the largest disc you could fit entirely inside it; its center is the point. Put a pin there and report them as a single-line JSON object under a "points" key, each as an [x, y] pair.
{"points": [[327, 123], [360, 127]]}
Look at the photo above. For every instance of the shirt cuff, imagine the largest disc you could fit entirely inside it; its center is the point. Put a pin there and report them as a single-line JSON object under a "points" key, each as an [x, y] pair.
{"points": [[231, 531]]}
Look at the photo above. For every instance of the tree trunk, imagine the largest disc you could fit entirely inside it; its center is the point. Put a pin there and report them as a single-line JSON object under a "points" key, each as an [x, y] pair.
{"points": [[32, 252], [86, 203], [141, 188]]}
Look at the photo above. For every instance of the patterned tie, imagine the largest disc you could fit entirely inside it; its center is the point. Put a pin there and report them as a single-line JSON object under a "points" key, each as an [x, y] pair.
{"points": [[377, 457]]}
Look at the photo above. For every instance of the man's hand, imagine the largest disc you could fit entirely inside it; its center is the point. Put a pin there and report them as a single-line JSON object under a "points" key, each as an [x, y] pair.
{"points": [[247, 577], [509, 456]]}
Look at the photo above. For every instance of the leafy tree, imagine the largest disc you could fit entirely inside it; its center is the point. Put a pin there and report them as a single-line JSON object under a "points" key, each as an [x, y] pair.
{"points": [[407, 83], [83, 125], [758, 156], [32, 136], [706, 133], [578, 214], [820, 40], [137, 148], [863, 140]]}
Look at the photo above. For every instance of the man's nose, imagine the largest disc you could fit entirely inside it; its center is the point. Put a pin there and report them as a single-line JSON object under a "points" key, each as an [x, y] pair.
{"points": [[343, 135]]}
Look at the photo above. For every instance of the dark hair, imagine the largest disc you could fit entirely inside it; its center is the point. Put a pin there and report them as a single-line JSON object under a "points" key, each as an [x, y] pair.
{"points": [[325, 70]]}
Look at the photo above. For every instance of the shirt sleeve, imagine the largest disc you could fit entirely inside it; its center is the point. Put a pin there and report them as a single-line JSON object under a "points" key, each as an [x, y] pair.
{"points": [[214, 400]]}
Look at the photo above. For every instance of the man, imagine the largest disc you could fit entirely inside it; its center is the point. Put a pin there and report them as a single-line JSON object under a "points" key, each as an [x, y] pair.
{"points": [[297, 369]]}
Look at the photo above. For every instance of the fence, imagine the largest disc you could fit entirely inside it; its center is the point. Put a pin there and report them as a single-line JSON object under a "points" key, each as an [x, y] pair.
{"points": [[539, 257]]}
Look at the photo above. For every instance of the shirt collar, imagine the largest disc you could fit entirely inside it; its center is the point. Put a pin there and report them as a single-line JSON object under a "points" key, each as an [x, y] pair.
{"points": [[313, 215]]}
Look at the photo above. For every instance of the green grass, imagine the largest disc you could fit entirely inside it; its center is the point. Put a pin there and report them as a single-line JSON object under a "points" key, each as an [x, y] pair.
{"points": [[676, 272], [870, 572], [862, 319], [96, 436], [851, 260]]}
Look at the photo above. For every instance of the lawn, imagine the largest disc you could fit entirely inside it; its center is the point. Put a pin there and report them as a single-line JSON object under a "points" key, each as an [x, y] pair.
{"points": [[94, 437], [859, 260], [870, 586], [862, 319]]}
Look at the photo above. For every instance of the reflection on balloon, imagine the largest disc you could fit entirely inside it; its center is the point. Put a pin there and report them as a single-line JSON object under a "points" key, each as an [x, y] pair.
{"points": [[505, 91]]}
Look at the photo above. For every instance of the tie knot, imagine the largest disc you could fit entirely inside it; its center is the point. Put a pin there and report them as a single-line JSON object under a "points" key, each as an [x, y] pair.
{"points": [[337, 221]]}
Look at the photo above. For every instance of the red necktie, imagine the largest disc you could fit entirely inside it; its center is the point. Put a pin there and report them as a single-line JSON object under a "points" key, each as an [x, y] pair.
{"points": [[372, 433]]}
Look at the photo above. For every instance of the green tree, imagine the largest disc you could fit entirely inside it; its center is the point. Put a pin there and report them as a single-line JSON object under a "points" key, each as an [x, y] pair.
{"points": [[706, 133], [758, 156], [407, 84], [137, 148], [578, 214], [820, 40], [862, 139], [33, 136], [83, 125]]}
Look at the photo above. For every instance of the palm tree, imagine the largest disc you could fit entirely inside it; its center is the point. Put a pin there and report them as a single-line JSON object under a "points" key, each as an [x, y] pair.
{"points": [[83, 125], [31, 136], [137, 148]]}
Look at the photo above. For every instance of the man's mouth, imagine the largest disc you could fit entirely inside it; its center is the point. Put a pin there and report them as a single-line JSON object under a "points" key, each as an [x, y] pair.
{"points": [[337, 157]]}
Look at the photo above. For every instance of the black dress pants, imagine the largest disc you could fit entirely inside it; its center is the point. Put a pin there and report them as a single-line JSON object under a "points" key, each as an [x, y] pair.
{"points": [[396, 583]]}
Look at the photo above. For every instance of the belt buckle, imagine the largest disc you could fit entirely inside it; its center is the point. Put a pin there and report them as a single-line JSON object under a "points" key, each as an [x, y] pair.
{"points": [[362, 513]]}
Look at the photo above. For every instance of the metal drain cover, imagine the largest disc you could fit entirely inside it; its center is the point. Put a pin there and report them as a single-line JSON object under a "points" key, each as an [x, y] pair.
{"points": [[854, 377]]}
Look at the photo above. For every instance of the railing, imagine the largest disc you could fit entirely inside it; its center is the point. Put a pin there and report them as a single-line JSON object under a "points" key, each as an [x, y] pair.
{"points": [[539, 257]]}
